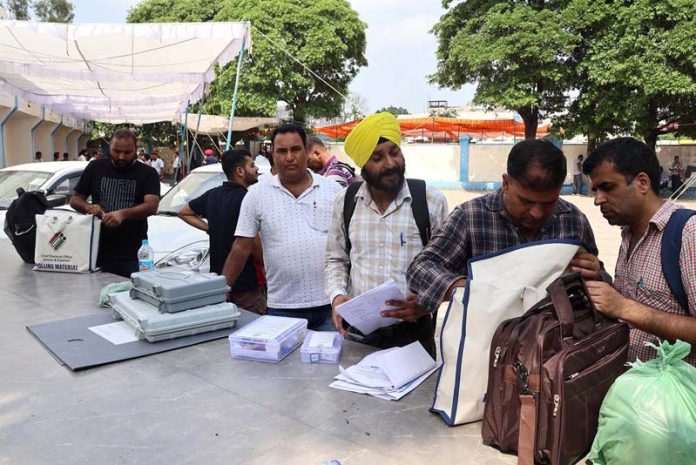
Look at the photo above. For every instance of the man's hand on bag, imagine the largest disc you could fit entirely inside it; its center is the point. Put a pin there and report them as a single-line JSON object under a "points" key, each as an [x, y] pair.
{"points": [[587, 264], [94, 209], [112, 219], [337, 320], [407, 310], [607, 299]]}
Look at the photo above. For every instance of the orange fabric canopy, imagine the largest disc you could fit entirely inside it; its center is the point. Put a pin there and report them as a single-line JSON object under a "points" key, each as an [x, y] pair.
{"points": [[453, 128]]}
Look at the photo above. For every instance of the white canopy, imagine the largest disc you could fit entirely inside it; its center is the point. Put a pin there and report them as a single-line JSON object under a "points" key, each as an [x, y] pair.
{"points": [[214, 124], [117, 73]]}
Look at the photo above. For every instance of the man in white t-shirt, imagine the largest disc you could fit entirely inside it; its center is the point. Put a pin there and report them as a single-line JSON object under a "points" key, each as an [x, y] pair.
{"points": [[157, 163], [291, 212]]}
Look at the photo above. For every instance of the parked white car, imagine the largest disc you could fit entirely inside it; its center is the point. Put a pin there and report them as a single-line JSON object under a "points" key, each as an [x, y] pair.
{"points": [[56, 179], [175, 243]]}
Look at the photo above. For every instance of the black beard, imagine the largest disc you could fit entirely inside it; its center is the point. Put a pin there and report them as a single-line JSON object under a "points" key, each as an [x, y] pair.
{"points": [[376, 181]]}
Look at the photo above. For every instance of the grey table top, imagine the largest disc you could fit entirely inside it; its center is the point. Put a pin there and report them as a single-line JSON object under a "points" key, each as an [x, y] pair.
{"points": [[196, 404]]}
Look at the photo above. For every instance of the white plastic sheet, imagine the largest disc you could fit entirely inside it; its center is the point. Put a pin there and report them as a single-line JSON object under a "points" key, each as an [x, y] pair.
{"points": [[116, 72]]}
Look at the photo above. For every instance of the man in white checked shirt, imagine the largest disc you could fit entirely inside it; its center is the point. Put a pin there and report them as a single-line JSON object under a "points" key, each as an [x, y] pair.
{"points": [[384, 236]]}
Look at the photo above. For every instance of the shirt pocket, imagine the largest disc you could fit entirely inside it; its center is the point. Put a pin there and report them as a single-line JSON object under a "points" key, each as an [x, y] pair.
{"points": [[658, 297], [318, 216]]}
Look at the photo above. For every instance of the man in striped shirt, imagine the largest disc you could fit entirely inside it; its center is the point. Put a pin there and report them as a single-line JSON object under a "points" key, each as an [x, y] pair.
{"points": [[625, 176], [383, 234]]}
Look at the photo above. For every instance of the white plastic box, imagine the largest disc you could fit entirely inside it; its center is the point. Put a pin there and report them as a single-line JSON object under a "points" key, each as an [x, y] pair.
{"points": [[268, 338], [321, 347]]}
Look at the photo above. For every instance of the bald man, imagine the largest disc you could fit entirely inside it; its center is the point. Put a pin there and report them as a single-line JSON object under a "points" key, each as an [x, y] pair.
{"points": [[383, 235]]}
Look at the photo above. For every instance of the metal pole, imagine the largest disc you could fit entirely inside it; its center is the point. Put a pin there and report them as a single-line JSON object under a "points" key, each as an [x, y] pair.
{"points": [[182, 159], [234, 96]]}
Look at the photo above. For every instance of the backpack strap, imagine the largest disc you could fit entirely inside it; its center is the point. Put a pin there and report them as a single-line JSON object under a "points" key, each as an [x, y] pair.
{"points": [[419, 205], [348, 209], [670, 249]]}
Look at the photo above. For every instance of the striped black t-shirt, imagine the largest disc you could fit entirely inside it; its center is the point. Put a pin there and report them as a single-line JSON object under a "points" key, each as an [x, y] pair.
{"points": [[116, 189]]}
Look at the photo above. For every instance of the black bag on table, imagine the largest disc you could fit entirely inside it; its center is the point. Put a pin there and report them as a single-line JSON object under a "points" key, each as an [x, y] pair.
{"points": [[20, 221]]}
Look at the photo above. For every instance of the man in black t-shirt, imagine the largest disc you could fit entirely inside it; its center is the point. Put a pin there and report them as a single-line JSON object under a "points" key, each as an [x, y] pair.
{"points": [[124, 193], [220, 206]]}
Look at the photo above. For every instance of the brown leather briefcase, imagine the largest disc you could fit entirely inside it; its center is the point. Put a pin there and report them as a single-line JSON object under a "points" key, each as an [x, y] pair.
{"points": [[549, 372]]}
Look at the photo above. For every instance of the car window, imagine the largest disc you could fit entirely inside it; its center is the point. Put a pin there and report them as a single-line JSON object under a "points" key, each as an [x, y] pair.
{"points": [[66, 186], [11, 180], [192, 186]]}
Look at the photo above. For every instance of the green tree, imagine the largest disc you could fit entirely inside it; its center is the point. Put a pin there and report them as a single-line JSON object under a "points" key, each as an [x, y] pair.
{"points": [[54, 11], [636, 67], [396, 111], [19, 9], [516, 53], [180, 11], [325, 35]]}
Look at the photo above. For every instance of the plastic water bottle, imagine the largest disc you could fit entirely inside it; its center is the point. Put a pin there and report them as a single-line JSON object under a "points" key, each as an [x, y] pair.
{"points": [[146, 257]]}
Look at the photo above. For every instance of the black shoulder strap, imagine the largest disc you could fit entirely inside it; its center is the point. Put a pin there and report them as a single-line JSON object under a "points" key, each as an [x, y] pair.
{"points": [[671, 250], [419, 205], [349, 209]]}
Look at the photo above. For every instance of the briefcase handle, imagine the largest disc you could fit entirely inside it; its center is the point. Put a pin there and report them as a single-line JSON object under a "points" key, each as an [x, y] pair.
{"points": [[559, 292]]}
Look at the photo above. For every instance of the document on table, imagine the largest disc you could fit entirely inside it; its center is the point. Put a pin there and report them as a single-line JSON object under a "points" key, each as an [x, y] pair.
{"points": [[388, 374], [116, 333], [266, 327], [363, 311]]}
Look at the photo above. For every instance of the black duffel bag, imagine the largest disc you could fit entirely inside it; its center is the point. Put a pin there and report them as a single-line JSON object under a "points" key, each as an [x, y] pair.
{"points": [[20, 221]]}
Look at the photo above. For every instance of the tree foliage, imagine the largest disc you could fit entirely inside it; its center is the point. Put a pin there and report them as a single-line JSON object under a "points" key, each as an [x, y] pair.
{"points": [[19, 9], [326, 35], [516, 52], [54, 11], [636, 68], [396, 111], [602, 67]]}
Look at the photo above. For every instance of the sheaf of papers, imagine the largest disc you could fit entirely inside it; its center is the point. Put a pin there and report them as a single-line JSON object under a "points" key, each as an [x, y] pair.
{"points": [[116, 333], [362, 312], [388, 374]]}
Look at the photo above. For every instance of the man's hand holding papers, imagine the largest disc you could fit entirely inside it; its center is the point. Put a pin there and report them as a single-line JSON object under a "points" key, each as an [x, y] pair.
{"points": [[364, 312]]}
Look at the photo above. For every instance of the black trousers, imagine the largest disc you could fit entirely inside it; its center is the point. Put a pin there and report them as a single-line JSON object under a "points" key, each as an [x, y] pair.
{"points": [[120, 267]]}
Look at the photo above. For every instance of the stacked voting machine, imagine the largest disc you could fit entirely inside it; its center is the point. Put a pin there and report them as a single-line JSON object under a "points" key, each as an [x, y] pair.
{"points": [[167, 304], [176, 290], [388, 374], [148, 323]]}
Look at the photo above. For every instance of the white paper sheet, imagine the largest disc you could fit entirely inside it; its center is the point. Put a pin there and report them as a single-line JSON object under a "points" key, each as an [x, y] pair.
{"points": [[116, 333], [408, 366], [321, 340], [405, 364], [362, 312], [266, 328]]}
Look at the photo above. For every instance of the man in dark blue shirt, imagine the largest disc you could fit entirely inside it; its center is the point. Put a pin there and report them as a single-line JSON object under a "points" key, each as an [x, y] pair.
{"points": [[220, 207]]}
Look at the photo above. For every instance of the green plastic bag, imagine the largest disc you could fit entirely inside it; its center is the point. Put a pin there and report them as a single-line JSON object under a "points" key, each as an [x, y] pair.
{"points": [[648, 417], [113, 288]]}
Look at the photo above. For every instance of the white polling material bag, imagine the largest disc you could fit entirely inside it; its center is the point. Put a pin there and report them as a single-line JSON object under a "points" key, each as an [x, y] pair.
{"points": [[66, 241], [499, 286]]}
